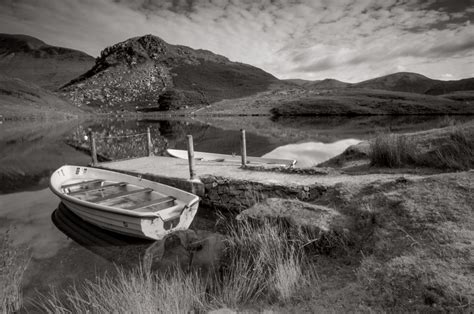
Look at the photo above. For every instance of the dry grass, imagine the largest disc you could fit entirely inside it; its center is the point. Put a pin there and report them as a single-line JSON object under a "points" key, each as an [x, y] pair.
{"points": [[404, 281], [135, 291], [418, 255], [13, 263], [262, 265]]}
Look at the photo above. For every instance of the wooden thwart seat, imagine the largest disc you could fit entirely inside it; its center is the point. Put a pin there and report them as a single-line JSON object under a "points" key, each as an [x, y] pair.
{"points": [[67, 186], [121, 194], [157, 204], [103, 187]]}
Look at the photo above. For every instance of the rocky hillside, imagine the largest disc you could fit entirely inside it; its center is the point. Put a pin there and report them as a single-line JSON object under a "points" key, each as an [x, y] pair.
{"points": [[32, 60], [146, 73]]}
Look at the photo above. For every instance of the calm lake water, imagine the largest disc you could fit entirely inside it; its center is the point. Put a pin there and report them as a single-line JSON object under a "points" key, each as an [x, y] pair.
{"points": [[65, 249]]}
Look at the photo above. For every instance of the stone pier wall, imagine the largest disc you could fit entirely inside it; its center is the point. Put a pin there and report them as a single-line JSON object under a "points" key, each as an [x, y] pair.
{"points": [[227, 194], [236, 195]]}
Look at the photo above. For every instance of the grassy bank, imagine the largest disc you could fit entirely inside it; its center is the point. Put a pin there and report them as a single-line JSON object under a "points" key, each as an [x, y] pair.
{"points": [[448, 147], [407, 248]]}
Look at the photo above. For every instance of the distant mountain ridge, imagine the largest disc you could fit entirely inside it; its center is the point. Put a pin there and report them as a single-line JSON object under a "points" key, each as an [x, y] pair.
{"points": [[416, 83], [396, 82], [146, 72], [31, 59]]}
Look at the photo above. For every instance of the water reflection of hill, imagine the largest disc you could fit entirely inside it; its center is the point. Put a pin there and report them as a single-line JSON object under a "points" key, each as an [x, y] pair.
{"points": [[29, 151]]}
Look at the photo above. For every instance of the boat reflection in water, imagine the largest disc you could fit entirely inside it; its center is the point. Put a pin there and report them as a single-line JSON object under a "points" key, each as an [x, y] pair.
{"points": [[187, 249]]}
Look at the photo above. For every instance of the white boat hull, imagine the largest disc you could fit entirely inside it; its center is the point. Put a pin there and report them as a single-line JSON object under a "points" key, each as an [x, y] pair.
{"points": [[150, 224], [182, 154]]}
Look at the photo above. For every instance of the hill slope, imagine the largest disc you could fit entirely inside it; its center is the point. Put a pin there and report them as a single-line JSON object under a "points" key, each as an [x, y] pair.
{"points": [[318, 84], [148, 73], [346, 101], [328, 84], [23, 100], [400, 82], [446, 87], [30, 59]]}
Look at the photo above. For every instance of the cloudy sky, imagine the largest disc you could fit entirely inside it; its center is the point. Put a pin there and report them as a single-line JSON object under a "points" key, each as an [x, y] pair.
{"points": [[350, 40]]}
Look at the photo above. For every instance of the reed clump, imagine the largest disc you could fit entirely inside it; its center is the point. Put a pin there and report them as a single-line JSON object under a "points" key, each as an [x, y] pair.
{"points": [[261, 264], [391, 150], [13, 263]]}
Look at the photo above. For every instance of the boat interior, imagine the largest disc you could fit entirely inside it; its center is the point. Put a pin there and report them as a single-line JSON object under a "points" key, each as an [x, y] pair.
{"points": [[119, 194]]}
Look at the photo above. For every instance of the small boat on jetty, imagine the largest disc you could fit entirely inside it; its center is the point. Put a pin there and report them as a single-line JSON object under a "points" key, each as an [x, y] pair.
{"points": [[183, 154], [123, 203]]}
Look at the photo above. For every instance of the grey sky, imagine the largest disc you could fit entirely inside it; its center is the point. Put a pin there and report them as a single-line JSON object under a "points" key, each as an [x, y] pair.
{"points": [[350, 40]]}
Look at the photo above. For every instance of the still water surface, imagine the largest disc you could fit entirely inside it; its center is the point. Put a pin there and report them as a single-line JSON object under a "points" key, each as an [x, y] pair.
{"points": [[65, 250]]}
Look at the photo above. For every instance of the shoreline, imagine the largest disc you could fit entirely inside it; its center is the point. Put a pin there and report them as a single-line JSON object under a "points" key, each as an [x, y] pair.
{"points": [[133, 115]]}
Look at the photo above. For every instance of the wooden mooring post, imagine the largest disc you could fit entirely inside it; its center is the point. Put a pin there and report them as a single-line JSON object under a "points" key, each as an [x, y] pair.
{"points": [[93, 149], [243, 147], [192, 170], [149, 144]]}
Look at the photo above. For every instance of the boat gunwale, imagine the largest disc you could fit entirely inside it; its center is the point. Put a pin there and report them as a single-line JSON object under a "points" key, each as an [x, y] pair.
{"points": [[116, 210]]}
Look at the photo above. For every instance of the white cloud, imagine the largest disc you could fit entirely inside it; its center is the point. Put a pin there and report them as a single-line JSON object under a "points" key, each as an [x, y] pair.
{"points": [[344, 39]]}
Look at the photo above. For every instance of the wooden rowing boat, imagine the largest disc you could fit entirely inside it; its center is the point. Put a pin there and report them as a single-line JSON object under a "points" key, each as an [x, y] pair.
{"points": [[123, 203], [183, 154]]}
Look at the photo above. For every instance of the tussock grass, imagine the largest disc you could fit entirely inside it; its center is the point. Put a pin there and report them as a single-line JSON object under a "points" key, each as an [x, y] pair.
{"points": [[266, 262], [391, 150], [13, 263], [261, 264], [288, 278], [457, 152]]}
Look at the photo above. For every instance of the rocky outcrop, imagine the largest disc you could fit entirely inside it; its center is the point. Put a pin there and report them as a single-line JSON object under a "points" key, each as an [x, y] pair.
{"points": [[146, 73]]}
